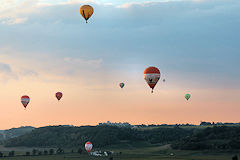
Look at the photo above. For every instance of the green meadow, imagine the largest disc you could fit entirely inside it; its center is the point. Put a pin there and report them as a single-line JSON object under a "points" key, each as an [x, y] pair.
{"points": [[132, 153]]}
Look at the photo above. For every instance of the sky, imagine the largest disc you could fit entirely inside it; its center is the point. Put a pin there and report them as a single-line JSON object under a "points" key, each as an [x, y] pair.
{"points": [[46, 47]]}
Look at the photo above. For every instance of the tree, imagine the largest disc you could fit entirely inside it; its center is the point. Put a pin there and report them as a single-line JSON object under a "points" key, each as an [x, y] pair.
{"points": [[27, 153], [1, 154], [45, 152], [109, 153], [235, 157], [80, 150], [34, 152], [205, 123], [51, 151], [60, 151], [40, 153], [11, 154]]}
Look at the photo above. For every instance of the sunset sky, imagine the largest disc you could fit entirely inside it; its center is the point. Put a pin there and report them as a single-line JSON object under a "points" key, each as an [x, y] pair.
{"points": [[46, 47]]}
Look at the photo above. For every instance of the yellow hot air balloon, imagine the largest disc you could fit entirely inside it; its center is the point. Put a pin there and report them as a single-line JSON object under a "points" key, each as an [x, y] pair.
{"points": [[86, 11]]}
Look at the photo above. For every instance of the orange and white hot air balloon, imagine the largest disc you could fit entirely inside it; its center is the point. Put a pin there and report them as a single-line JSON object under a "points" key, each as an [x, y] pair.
{"points": [[152, 76], [86, 11], [59, 95], [25, 100], [88, 146]]}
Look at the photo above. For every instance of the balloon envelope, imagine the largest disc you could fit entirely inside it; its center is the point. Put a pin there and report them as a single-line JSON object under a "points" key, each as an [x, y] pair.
{"points": [[86, 11], [187, 96], [121, 85], [152, 76], [88, 146], [59, 95], [25, 100]]}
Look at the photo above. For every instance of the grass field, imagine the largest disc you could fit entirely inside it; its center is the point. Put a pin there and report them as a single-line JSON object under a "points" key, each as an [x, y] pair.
{"points": [[133, 153]]}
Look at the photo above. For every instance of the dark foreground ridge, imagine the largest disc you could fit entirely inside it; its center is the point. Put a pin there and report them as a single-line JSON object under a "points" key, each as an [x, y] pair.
{"points": [[101, 136], [183, 137], [216, 138], [14, 132]]}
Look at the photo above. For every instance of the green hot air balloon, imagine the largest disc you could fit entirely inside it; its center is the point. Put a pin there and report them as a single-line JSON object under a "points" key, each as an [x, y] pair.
{"points": [[187, 96], [121, 85]]}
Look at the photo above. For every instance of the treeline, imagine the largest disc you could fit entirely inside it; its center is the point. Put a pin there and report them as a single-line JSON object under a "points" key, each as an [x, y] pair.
{"points": [[215, 138], [39, 152], [211, 138], [67, 137], [203, 123]]}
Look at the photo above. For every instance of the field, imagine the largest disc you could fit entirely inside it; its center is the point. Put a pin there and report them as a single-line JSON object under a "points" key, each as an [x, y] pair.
{"points": [[132, 153]]}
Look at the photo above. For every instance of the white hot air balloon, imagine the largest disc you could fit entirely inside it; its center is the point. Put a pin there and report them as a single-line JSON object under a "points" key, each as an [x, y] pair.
{"points": [[88, 146]]}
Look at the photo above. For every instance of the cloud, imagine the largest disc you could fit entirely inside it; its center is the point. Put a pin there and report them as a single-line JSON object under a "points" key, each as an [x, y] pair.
{"points": [[14, 72], [140, 4], [95, 63], [6, 73], [11, 69], [49, 68], [27, 72], [5, 68], [197, 40], [68, 2], [13, 21], [15, 12]]}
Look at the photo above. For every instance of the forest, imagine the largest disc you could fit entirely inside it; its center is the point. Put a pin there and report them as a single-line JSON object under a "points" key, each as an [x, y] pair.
{"points": [[185, 138]]}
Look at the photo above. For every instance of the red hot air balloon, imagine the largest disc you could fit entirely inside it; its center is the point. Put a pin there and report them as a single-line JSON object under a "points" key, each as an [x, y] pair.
{"points": [[152, 75], [25, 100], [88, 146], [59, 95]]}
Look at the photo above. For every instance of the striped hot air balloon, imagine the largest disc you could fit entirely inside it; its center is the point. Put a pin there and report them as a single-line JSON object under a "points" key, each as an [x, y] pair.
{"points": [[88, 146], [25, 100], [152, 76], [59, 95]]}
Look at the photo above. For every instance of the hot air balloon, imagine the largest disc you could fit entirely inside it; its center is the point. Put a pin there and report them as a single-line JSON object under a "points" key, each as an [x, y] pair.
{"points": [[152, 75], [59, 95], [164, 80], [86, 11], [88, 146], [121, 85], [25, 100], [187, 96]]}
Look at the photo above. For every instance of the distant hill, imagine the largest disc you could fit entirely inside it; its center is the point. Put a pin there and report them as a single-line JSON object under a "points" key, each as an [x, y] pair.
{"points": [[212, 138], [69, 136], [14, 132], [180, 137]]}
